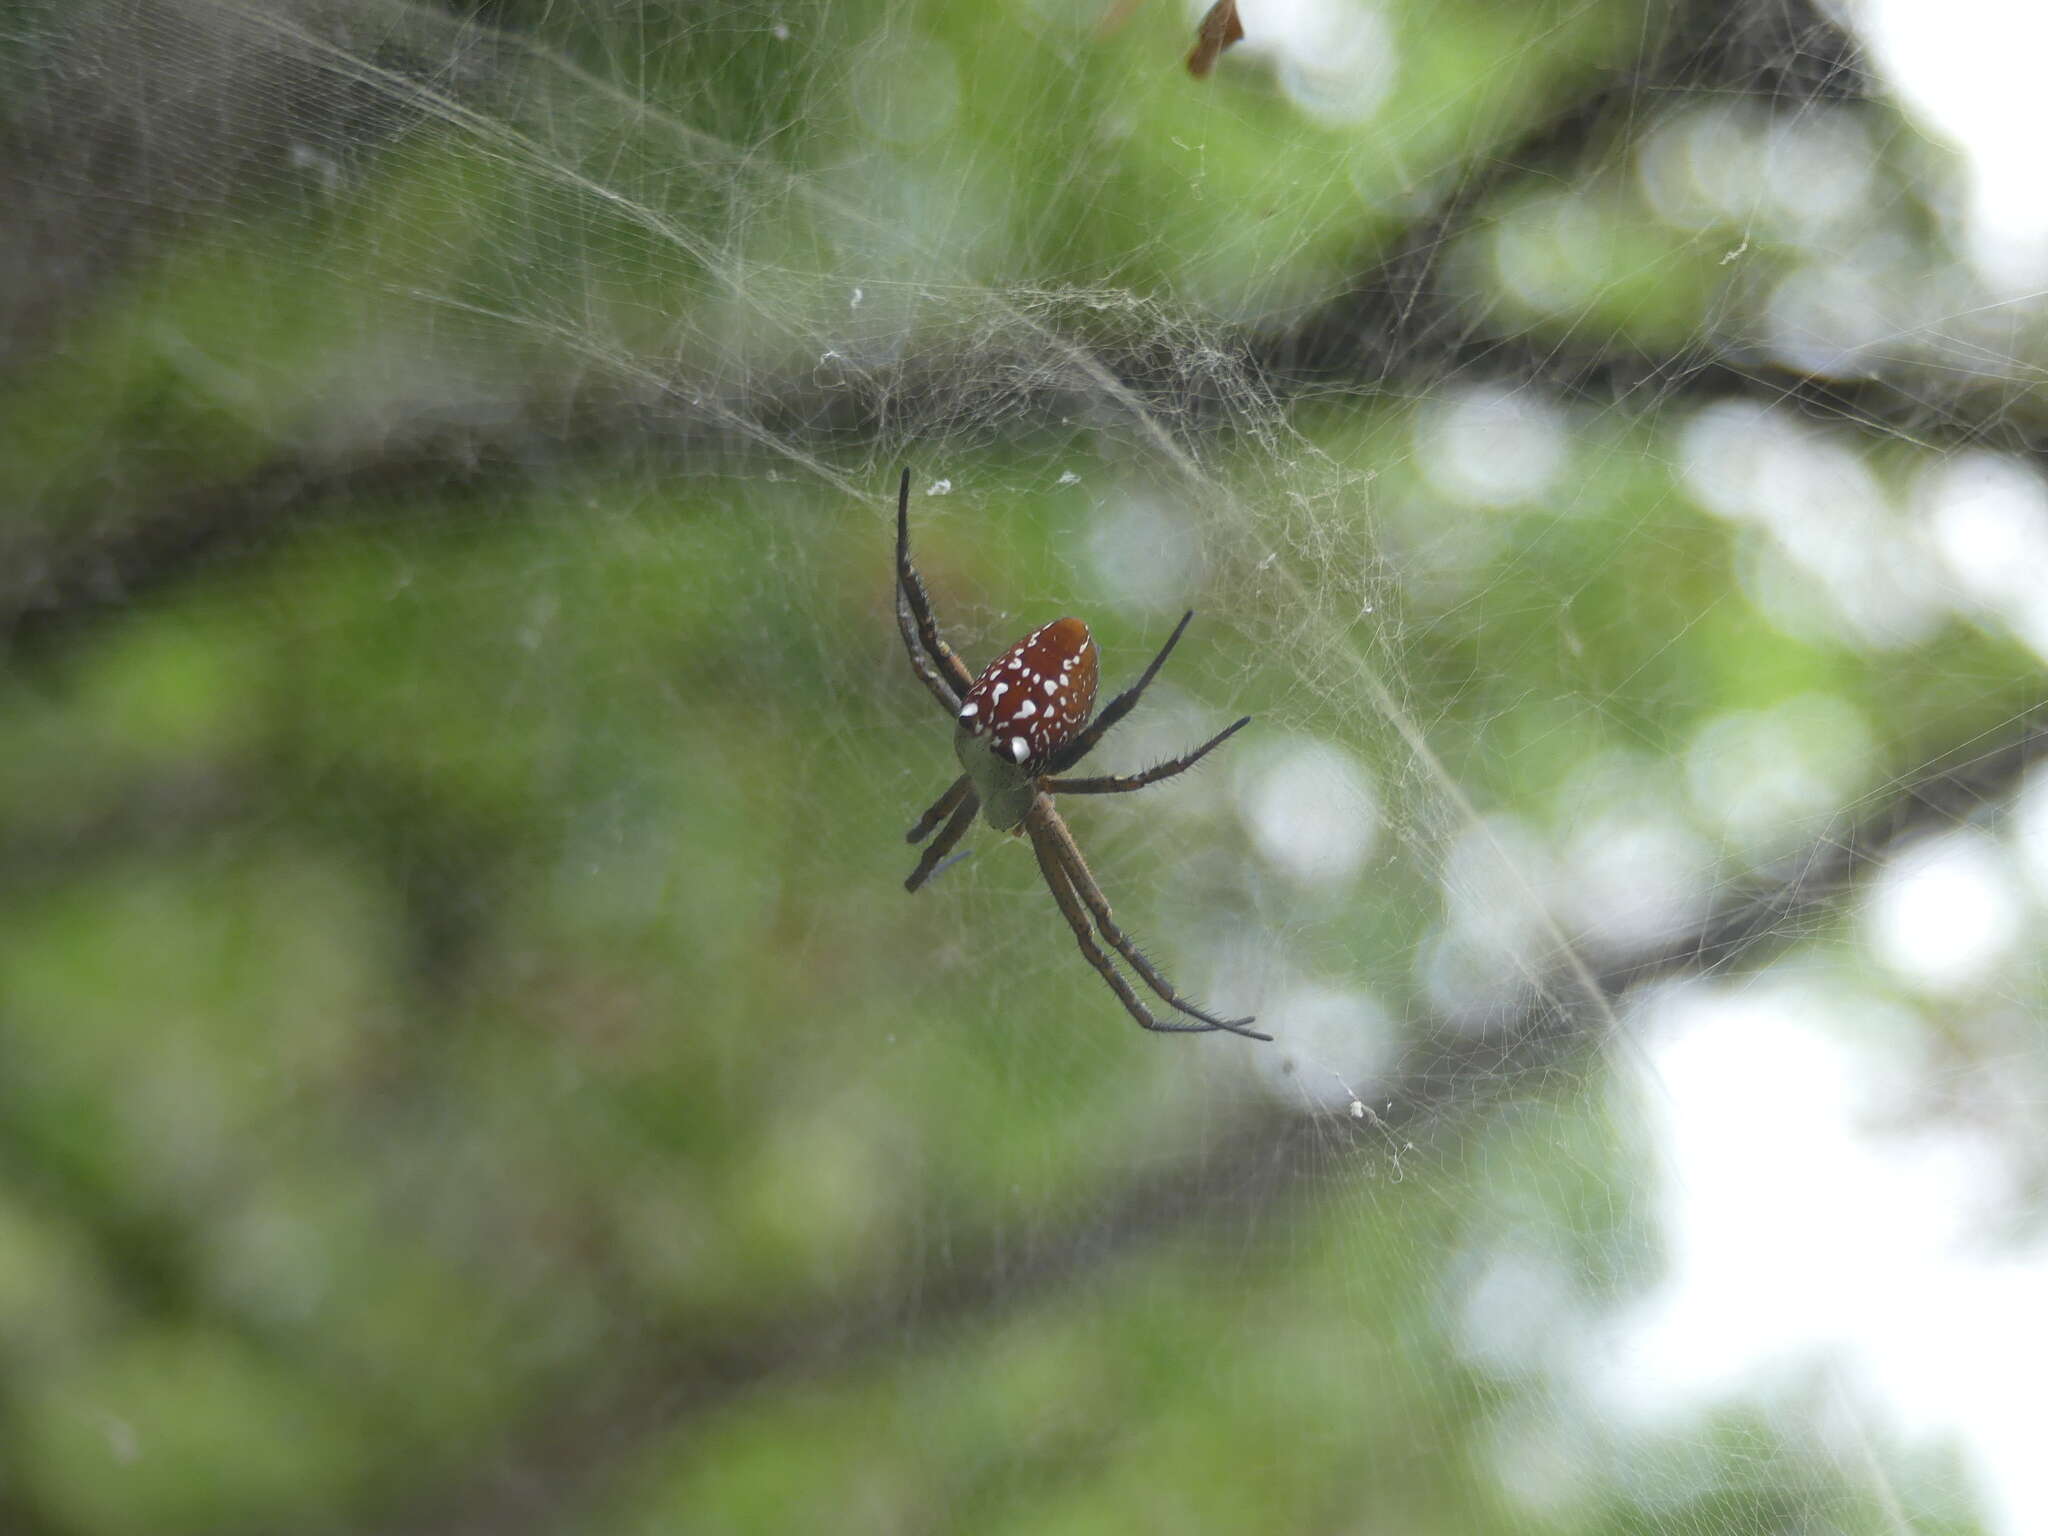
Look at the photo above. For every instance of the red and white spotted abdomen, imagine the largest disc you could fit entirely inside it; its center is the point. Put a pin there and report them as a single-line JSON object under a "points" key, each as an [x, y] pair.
{"points": [[1031, 701]]}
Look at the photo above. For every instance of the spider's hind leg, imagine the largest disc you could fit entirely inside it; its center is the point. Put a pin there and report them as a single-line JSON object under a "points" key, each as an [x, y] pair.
{"points": [[1119, 706], [942, 672]]}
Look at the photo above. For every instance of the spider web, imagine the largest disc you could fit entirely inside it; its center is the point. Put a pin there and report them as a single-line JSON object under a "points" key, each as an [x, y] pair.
{"points": [[468, 1062]]}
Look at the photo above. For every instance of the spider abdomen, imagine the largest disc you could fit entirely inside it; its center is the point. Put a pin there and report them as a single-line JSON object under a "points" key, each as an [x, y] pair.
{"points": [[1029, 702], [1035, 697]]}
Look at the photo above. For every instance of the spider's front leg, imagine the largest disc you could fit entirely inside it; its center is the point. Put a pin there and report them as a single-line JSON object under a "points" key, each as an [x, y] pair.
{"points": [[1062, 890], [1066, 872], [961, 819], [939, 809]]}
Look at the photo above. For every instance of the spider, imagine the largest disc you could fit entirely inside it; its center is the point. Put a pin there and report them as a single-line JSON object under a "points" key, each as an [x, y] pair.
{"points": [[1016, 727]]}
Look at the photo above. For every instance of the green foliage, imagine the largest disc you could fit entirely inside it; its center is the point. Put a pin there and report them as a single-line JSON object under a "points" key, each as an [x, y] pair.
{"points": [[461, 1027]]}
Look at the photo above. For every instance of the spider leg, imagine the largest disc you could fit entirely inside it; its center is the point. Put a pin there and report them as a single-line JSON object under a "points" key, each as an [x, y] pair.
{"points": [[939, 688], [1119, 706], [1062, 889], [944, 673], [955, 829], [1118, 784], [1056, 849], [940, 809]]}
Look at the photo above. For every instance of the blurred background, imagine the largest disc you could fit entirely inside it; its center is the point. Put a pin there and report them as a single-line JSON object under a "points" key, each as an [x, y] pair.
{"points": [[467, 1061]]}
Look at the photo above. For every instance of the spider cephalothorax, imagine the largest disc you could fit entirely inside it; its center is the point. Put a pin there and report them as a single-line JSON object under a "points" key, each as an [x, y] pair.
{"points": [[1017, 727]]}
